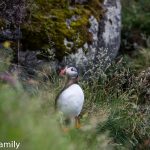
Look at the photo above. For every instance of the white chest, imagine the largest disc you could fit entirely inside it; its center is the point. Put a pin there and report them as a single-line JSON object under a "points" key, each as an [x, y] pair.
{"points": [[71, 100]]}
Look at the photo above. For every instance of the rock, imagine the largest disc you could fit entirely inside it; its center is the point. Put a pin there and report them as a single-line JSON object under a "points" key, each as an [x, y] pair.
{"points": [[87, 36], [106, 39], [100, 48], [56, 23], [12, 35], [13, 11], [110, 28], [32, 68]]}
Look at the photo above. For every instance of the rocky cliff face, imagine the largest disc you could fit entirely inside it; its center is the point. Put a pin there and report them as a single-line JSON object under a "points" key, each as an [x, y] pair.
{"points": [[106, 38], [84, 33], [110, 29]]}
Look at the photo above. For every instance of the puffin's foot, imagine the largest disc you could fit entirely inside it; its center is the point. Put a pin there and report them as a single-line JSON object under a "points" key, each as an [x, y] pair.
{"points": [[77, 123], [65, 129]]}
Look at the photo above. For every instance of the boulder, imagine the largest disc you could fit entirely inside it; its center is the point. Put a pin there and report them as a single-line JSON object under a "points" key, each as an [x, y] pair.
{"points": [[86, 34], [106, 39]]}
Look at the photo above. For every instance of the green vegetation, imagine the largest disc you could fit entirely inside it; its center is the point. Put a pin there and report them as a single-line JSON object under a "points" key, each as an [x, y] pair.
{"points": [[136, 15], [116, 110], [48, 23], [115, 115], [31, 121], [135, 24]]}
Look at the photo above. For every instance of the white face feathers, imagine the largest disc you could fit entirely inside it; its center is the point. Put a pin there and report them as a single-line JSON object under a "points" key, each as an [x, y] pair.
{"points": [[70, 72]]}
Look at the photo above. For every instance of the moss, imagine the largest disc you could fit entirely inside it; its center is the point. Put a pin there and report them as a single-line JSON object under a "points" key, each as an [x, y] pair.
{"points": [[48, 22], [2, 23]]}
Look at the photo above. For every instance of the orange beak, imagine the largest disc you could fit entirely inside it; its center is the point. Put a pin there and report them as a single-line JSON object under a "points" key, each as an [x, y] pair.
{"points": [[62, 72]]}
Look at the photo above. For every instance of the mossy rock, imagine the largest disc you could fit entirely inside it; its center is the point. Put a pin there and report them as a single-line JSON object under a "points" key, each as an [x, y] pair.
{"points": [[47, 24], [1, 23]]}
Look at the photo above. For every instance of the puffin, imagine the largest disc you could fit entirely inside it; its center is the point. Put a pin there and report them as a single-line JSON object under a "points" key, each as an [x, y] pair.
{"points": [[70, 99]]}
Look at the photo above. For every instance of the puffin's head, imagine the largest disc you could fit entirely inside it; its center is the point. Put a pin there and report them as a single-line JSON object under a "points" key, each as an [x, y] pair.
{"points": [[70, 72]]}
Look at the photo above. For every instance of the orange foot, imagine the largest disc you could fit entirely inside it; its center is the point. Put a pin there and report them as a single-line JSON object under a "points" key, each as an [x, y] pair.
{"points": [[65, 129], [77, 123]]}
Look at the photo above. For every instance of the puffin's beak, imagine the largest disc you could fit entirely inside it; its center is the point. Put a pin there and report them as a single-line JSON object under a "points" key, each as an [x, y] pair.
{"points": [[62, 72]]}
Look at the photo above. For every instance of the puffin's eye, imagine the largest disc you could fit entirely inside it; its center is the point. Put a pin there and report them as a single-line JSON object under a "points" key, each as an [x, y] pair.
{"points": [[72, 69]]}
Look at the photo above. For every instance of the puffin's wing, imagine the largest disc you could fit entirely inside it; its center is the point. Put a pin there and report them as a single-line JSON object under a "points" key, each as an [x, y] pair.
{"points": [[57, 97]]}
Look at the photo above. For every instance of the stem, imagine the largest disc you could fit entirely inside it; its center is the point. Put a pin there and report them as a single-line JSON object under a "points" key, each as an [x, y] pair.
{"points": [[18, 46]]}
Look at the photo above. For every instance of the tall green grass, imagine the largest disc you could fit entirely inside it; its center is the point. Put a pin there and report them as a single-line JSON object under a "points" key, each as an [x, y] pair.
{"points": [[31, 120], [112, 117]]}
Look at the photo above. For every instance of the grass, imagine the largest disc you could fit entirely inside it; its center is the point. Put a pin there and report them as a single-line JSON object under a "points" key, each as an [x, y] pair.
{"points": [[31, 120], [112, 118]]}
